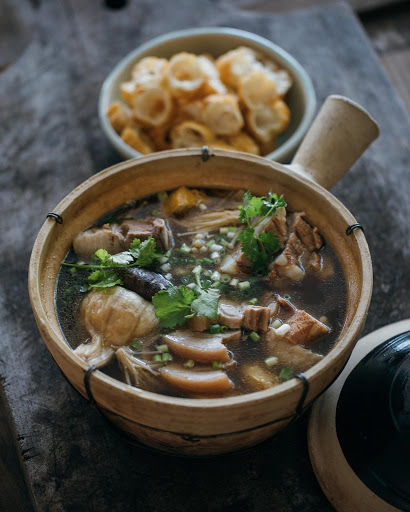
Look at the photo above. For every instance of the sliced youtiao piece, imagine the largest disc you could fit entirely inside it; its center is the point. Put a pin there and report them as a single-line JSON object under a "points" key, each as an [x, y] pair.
{"points": [[119, 115], [196, 380], [257, 377], [222, 114], [190, 134], [108, 237], [304, 328], [291, 356], [137, 372], [113, 316], [144, 282], [230, 313], [256, 318], [200, 347], [235, 64], [136, 137], [181, 200]]}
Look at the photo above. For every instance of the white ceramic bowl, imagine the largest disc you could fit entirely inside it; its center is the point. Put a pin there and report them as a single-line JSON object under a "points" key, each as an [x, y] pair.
{"points": [[216, 40]]}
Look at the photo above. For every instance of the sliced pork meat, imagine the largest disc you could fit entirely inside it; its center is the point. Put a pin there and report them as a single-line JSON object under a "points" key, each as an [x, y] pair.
{"points": [[278, 226], [304, 328], [315, 262], [201, 347], [230, 313], [256, 318], [163, 234], [195, 380], [257, 378], [113, 317], [244, 263], [136, 229], [309, 236], [288, 354], [288, 263], [199, 323], [108, 237], [144, 282]]}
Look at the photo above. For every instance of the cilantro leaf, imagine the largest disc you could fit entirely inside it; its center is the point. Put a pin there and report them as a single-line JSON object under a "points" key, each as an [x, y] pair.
{"points": [[173, 305], [122, 258], [259, 247], [101, 279], [249, 243], [102, 255], [147, 252], [206, 305], [270, 242]]}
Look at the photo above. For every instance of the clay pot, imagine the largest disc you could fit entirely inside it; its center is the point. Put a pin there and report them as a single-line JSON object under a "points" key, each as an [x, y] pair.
{"points": [[340, 133]]}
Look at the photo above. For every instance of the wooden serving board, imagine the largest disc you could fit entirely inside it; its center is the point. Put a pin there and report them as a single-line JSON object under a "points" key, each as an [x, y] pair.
{"points": [[50, 141]]}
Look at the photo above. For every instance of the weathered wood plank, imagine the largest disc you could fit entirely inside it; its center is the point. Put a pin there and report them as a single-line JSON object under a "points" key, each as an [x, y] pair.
{"points": [[50, 141]]}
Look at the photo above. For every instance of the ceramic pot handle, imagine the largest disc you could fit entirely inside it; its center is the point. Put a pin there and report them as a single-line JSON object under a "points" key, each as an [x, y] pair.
{"points": [[338, 136]]}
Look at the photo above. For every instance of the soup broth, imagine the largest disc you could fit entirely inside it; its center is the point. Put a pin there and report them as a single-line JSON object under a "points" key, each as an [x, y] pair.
{"points": [[206, 313]]}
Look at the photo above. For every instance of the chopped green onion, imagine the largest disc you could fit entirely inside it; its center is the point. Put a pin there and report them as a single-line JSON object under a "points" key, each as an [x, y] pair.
{"points": [[197, 269], [234, 282], [253, 301], [271, 361], [136, 344], [213, 329], [286, 296], [223, 231], [207, 261], [155, 213], [232, 230], [190, 363], [166, 356], [286, 374], [217, 365], [216, 284], [207, 273], [255, 336], [73, 270], [198, 261], [277, 323], [162, 348], [185, 249], [162, 195], [223, 242], [157, 358], [185, 280], [225, 278], [190, 316], [244, 285], [211, 242], [223, 328]]}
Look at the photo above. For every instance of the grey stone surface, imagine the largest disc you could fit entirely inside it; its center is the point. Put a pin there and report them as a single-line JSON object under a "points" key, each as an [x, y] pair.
{"points": [[50, 141]]}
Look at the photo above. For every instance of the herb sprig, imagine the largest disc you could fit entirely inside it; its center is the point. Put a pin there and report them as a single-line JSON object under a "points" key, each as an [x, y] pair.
{"points": [[258, 247], [140, 254], [175, 305]]}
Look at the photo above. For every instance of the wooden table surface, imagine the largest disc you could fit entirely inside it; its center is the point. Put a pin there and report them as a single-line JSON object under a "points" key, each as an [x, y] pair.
{"points": [[50, 141]]}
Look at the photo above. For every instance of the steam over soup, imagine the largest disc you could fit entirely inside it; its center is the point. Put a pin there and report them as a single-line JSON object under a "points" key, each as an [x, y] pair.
{"points": [[201, 293]]}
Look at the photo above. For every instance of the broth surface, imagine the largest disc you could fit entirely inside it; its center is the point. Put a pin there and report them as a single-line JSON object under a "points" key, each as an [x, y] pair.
{"points": [[322, 298]]}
